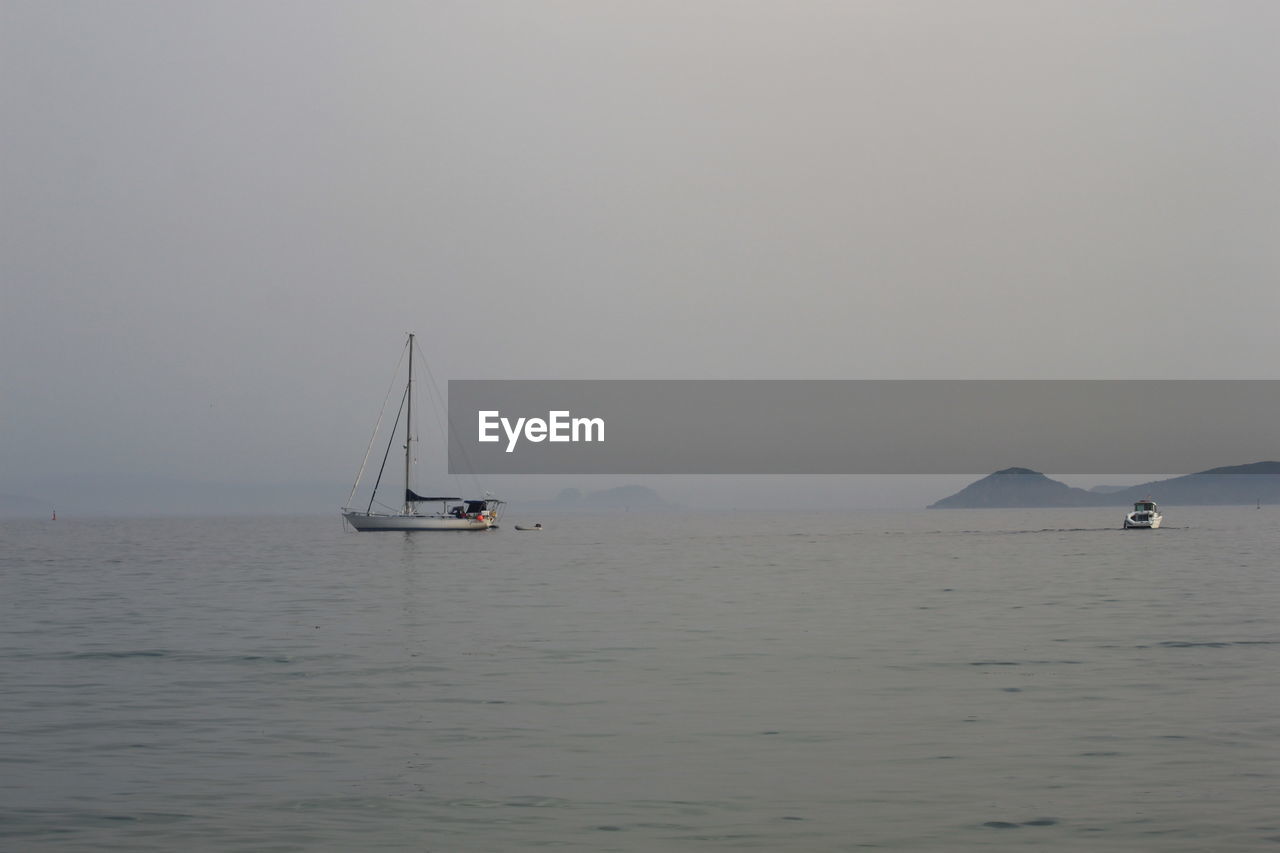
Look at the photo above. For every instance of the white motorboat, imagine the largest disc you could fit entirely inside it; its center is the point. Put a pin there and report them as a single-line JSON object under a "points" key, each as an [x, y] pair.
{"points": [[1145, 516], [454, 513]]}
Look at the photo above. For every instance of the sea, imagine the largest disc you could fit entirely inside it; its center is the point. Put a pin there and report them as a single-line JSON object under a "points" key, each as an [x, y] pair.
{"points": [[781, 680]]}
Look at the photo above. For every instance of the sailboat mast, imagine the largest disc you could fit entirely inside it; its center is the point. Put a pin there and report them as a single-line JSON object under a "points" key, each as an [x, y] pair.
{"points": [[408, 426]]}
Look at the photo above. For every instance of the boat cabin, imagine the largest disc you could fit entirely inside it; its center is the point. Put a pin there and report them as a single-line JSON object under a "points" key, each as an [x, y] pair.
{"points": [[1145, 511], [473, 509]]}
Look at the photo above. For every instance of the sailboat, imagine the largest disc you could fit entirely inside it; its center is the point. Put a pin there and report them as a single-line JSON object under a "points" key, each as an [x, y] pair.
{"points": [[454, 513]]}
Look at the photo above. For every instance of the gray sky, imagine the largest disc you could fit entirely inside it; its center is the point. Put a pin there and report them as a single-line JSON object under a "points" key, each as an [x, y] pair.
{"points": [[219, 219]]}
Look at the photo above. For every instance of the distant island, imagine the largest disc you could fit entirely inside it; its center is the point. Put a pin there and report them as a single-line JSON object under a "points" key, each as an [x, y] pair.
{"points": [[1022, 487]]}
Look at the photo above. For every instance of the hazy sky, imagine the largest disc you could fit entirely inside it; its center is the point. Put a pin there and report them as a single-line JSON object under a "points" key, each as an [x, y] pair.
{"points": [[219, 219]]}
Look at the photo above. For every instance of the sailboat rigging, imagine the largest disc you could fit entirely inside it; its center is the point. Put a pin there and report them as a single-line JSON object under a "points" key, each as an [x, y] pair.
{"points": [[454, 513]]}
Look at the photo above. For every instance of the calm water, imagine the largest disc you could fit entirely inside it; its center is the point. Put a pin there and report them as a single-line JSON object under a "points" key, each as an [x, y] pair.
{"points": [[942, 680]]}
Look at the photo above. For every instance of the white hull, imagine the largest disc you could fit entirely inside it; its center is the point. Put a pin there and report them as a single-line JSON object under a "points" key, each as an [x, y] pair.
{"points": [[366, 521], [1151, 524]]}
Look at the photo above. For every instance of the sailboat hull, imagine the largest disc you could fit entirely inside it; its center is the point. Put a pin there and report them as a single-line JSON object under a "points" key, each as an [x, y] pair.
{"points": [[368, 521]]}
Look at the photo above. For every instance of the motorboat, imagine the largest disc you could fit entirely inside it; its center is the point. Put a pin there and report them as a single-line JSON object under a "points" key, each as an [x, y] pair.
{"points": [[1145, 516]]}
